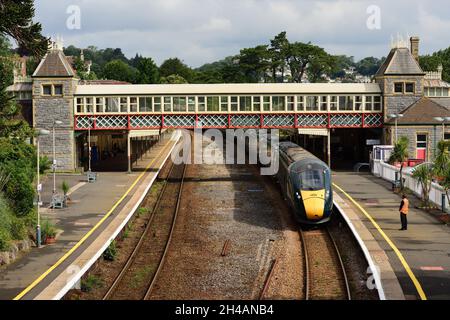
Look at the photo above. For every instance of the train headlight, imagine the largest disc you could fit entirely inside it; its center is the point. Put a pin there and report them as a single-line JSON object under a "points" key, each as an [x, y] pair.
{"points": [[327, 193], [297, 194]]}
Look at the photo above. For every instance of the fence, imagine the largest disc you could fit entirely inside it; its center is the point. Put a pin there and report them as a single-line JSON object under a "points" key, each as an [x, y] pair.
{"points": [[387, 172]]}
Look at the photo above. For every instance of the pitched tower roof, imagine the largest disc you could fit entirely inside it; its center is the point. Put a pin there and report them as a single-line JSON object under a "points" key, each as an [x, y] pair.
{"points": [[54, 64], [400, 61]]}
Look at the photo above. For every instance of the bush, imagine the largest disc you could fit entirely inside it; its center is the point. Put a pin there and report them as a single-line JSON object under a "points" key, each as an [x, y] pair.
{"points": [[4, 240], [48, 229], [111, 252], [91, 282], [18, 229], [65, 187]]}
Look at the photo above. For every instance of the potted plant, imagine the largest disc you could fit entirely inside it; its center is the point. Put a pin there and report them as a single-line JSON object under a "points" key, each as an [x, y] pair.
{"points": [[65, 189], [48, 232]]}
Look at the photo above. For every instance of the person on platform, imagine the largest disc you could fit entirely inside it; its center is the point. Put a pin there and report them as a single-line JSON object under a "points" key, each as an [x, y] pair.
{"points": [[404, 210]]}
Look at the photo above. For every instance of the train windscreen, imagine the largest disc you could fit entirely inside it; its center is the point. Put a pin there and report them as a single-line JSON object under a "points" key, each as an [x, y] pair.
{"points": [[312, 180]]}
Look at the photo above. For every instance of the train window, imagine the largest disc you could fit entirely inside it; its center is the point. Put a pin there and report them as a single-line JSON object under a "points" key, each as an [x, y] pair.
{"points": [[312, 180]]}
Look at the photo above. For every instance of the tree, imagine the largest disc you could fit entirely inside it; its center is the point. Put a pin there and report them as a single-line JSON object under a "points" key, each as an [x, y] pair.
{"points": [[254, 63], [173, 79], [424, 174], [442, 158], [175, 66], [17, 22], [368, 66], [445, 183], [120, 71], [400, 154], [279, 53], [147, 71]]}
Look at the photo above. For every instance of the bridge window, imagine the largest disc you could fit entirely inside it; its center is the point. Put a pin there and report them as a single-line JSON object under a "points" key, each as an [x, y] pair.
{"points": [[333, 103], [377, 103], [80, 105], [266, 103], [123, 104], [145, 104], [224, 104], [323, 103], [256, 103], [167, 104], [346, 103], [245, 103], [358, 103], [111, 104], [278, 103], [213, 104], [201, 104], [179, 104], [99, 105], [89, 105], [290, 103], [234, 103], [312, 103], [300, 103], [368, 104], [191, 104], [157, 104], [133, 104]]}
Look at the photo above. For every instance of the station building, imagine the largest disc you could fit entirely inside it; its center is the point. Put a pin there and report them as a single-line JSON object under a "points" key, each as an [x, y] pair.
{"points": [[337, 121]]}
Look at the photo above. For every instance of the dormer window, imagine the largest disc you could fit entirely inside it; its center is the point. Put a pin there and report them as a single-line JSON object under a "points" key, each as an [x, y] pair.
{"points": [[58, 89], [47, 90], [398, 87], [409, 87]]}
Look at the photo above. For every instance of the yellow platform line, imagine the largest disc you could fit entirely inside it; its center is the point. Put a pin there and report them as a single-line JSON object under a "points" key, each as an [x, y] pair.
{"points": [[87, 235], [391, 244]]}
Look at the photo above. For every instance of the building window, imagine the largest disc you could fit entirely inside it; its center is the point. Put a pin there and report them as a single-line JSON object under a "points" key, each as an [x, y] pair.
{"points": [[358, 103], [179, 104], [410, 87], [123, 104], [191, 104], [80, 105], [377, 103], [167, 104], [398, 87], [323, 103], [213, 104], [58, 89], [224, 104], [145, 104], [157, 104], [89, 105], [368, 103], [99, 105], [312, 103], [47, 89], [278, 103], [112, 104], [133, 104], [445, 92], [245, 103]]}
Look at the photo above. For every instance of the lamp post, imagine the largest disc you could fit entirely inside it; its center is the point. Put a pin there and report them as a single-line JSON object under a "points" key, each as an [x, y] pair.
{"points": [[39, 133], [55, 123], [91, 121], [396, 117]]}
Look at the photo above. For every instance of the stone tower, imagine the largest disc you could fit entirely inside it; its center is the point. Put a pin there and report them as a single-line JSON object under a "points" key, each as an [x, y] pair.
{"points": [[401, 80], [54, 84]]}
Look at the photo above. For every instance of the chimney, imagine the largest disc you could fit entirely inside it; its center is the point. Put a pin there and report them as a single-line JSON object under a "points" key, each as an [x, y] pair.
{"points": [[415, 47]]}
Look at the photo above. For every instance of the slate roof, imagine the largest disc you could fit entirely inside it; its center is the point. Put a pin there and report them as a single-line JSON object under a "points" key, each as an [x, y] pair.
{"points": [[54, 64], [422, 112], [436, 83], [400, 61]]}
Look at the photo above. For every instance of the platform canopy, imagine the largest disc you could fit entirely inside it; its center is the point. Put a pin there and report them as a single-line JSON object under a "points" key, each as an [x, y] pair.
{"points": [[314, 132]]}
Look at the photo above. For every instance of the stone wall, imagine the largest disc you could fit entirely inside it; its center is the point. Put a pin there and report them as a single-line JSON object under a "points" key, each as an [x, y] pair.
{"points": [[49, 109], [434, 134]]}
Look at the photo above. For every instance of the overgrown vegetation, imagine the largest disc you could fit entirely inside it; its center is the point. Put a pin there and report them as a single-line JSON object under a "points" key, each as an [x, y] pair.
{"points": [[90, 283], [400, 154], [110, 253], [17, 156]]}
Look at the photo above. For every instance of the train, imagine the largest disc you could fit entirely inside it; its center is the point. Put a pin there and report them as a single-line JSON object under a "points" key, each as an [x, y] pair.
{"points": [[306, 183]]}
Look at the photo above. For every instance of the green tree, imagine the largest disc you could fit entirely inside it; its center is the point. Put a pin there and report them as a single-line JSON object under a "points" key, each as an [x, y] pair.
{"points": [[368, 66], [173, 79], [254, 63], [400, 154], [424, 175], [174, 66], [120, 71], [279, 53], [148, 72], [17, 22], [442, 158]]}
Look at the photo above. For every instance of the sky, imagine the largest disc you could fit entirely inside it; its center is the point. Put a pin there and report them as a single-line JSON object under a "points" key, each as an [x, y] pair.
{"points": [[204, 31]]}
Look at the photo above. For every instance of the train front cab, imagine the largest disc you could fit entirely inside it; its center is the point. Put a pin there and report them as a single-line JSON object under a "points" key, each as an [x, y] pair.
{"points": [[309, 190]]}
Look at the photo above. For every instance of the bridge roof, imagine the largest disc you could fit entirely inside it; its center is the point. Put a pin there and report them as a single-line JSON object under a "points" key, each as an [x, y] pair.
{"points": [[225, 89]]}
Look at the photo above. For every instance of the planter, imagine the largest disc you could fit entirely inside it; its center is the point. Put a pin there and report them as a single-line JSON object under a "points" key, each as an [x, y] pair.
{"points": [[50, 240]]}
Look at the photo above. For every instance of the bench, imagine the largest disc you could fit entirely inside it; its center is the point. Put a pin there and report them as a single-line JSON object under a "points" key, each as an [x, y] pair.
{"points": [[58, 201], [91, 176]]}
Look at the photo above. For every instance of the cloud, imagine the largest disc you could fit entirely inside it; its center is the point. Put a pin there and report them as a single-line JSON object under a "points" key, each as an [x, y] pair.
{"points": [[201, 31]]}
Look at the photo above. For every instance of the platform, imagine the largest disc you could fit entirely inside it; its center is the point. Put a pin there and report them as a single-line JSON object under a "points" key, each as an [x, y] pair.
{"points": [[419, 256], [95, 207]]}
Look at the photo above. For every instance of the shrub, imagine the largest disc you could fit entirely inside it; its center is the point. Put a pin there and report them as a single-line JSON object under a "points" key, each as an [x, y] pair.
{"points": [[65, 187], [18, 229], [4, 239], [91, 282], [48, 229], [111, 252]]}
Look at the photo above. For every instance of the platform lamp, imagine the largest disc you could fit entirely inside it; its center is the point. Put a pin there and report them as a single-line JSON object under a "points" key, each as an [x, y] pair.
{"points": [[396, 116], [39, 133], [55, 123]]}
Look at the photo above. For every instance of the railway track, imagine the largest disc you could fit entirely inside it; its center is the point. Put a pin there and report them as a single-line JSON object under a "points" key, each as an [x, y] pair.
{"points": [[145, 262], [325, 274]]}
